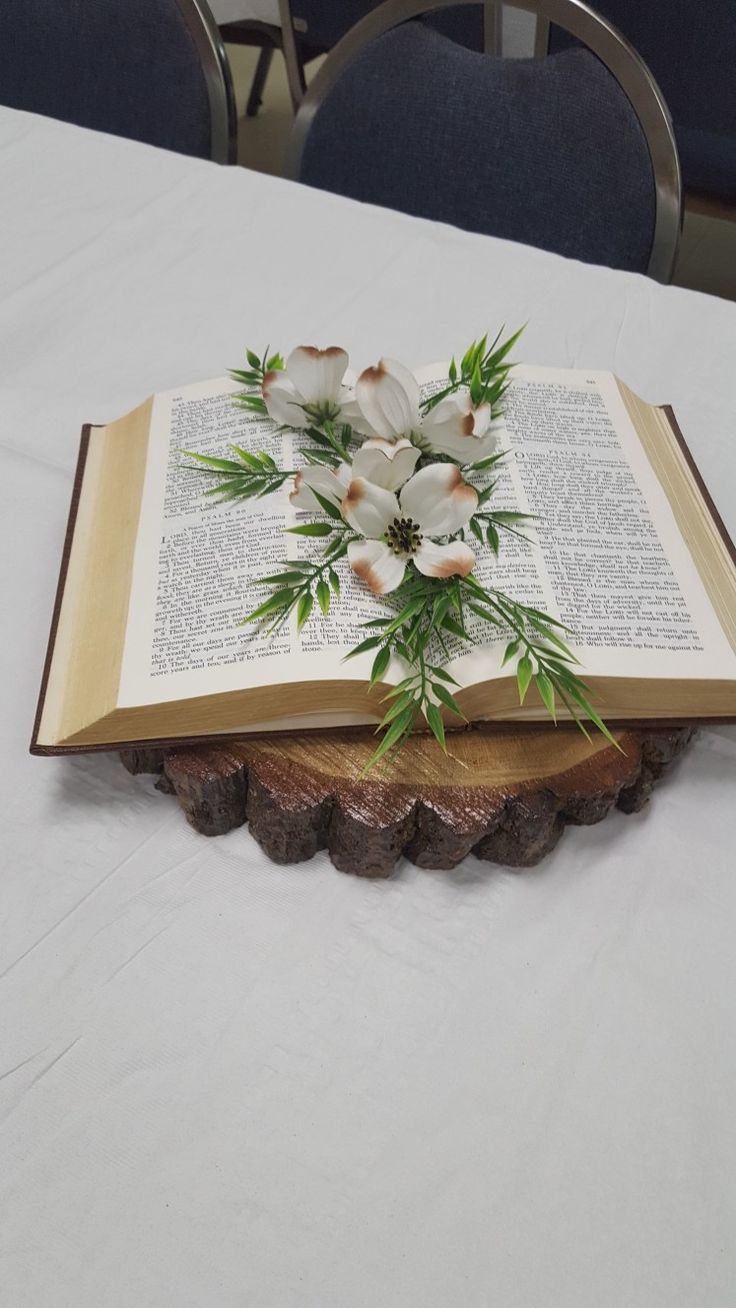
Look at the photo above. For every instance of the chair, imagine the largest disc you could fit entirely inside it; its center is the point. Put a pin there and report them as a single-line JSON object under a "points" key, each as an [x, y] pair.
{"points": [[305, 30], [153, 72], [573, 152], [691, 50]]}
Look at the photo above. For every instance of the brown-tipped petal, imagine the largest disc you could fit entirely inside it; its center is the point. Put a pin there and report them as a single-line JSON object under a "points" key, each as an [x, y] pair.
{"points": [[376, 565], [453, 560], [454, 427], [438, 499], [283, 401], [386, 463], [388, 397], [317, 374], [369, 509], [315, 478]]}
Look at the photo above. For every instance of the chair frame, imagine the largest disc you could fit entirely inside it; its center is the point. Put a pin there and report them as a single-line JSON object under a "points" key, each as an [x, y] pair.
{"points": [[582, 22], [218, 79]]}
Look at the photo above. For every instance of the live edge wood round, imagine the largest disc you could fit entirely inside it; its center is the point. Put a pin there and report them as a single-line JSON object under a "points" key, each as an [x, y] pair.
{"points": [[503, 794]]}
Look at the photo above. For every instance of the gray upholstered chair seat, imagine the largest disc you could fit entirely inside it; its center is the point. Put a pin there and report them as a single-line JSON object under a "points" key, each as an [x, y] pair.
{"points": [[546, 152], [133, 68]]}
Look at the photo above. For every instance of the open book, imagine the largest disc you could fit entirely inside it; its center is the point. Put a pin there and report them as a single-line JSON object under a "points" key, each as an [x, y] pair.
{"points": [[626, 549]]}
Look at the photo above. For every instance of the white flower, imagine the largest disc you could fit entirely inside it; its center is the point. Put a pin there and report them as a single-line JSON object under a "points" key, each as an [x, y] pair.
{"points": [[456, 427], [434, 503], [309, 389], [385, 463], [388, 399]]}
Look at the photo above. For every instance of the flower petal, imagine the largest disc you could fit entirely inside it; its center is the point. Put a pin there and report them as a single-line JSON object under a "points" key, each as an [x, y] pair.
{"points": [[317, 374], [454, 427], [351, 414], [319, 479], [438, 499], [376, 565], [453, 560], [386, 463], [283, 401], [369, 509], [388, 397]]}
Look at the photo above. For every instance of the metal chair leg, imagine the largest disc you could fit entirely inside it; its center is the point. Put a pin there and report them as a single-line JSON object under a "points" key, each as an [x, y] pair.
{"points": [[292, 58], [255, 98]]}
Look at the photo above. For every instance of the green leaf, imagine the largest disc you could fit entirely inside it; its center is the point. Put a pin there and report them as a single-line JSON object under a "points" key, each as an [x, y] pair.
{"points": [[253, 359], [476, 529], [267, 461], [484, 613], [400, 703], [453, 371], [329, 506], [476, 385], [492, 538], [281, 600], [334, 580], [252, 402], [545, 617], [275, 363], [436, 725], [444, 696], [304, 608], [311, 529], [547, 692], [363, 647], [324, 457], [467, 358], [225, 465], [440, 672], [400, 726], [323, 595], [250, 460], [523, 676], [488, 462], [400, 687], [380, 663], [589, 711], [453, 627], [510, 651]]}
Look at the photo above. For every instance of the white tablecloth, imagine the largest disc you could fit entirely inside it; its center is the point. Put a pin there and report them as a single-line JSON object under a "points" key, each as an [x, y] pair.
{"points": [[226, 1083]]}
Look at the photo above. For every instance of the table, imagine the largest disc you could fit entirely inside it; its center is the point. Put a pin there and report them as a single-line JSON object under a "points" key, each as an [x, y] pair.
{"points": [[225, 1083]]}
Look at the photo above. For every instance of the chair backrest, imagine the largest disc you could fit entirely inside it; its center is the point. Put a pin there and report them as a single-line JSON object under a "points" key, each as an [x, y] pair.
{"points": [[691, 50], [574, 152], [153, 72]]}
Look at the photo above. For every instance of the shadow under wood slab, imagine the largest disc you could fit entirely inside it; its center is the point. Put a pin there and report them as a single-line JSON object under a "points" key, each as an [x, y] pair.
{"points": [[504, 794]]}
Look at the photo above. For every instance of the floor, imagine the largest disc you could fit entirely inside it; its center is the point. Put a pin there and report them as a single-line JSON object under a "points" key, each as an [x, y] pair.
{"points": [[707, 256]]}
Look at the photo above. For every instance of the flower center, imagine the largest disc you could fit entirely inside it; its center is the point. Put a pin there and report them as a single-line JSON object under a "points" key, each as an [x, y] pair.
{"points": [[322, 411], [403, 536]]}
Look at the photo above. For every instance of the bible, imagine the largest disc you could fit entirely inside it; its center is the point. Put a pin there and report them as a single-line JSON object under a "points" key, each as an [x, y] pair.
{"points": [[623, 545]]}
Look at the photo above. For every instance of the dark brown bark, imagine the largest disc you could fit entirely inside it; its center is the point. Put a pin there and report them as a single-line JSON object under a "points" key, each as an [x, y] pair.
{"points": [[505, 795]]}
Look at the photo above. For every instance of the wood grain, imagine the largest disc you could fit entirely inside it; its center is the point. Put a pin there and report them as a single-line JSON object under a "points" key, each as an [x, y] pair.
{"points": [[505, 794]]}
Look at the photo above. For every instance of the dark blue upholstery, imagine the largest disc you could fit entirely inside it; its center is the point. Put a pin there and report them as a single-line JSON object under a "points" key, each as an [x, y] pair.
{"points": [[691, 51], [323, 22], [129, 67], [548, 152]]}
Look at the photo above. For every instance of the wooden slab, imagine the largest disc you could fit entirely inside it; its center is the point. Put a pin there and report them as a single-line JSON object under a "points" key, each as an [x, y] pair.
{"points": [[504, 794]]}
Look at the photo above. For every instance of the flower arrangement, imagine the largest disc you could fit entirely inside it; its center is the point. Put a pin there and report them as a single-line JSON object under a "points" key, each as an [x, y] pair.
{"points": [[403, 488]]}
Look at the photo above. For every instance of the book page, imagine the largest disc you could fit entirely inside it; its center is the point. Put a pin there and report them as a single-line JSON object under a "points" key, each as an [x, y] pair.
{"points": [[606, 556], [195, 558]]}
